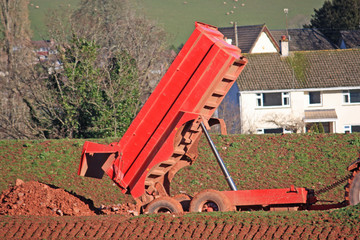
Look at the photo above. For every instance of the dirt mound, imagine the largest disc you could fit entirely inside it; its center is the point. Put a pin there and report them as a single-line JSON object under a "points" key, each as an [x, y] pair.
{"points": [[34, 198], [38, 199]]}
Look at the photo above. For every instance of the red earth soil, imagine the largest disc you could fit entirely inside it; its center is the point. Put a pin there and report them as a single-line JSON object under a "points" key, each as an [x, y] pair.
{"points": [[165, 226], [38, 199]]}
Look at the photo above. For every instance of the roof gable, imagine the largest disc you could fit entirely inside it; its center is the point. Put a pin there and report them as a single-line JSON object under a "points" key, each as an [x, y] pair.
{"points": [[263, 45], [247, 36]]}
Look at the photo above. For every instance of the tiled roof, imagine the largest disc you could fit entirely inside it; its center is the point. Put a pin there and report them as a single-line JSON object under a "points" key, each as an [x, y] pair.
{"points": [[304, 39], [247, 35], [301, 70], [351, 38]]}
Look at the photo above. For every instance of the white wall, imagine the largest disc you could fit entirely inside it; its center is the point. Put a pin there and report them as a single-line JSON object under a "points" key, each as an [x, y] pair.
{"points": [[264, 45], [253, 117]]}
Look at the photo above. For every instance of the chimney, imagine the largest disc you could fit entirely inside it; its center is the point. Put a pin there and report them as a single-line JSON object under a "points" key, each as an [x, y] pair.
{"points": [[236, 35], [284, 46]]}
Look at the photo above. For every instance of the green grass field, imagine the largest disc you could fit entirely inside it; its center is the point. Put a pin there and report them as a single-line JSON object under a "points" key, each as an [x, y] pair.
{"points": [[254, 161], [178, 16], [40, 9]]}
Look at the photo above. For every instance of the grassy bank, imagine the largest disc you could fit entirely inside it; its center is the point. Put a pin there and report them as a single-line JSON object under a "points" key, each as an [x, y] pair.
{"points": [[254, 161]]}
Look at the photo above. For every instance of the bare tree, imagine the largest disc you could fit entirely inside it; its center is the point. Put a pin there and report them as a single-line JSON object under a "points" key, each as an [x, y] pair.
{"points": [[15, 27], [16, 68], [116, 27], [248, 124], [286, 121]]}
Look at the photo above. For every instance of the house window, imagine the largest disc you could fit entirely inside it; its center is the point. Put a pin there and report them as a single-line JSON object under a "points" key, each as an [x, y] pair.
{"points": [[272, 99], [355, 128], [351, 128], [320, 127], [351, 96], [314, 98], [273, 131]]}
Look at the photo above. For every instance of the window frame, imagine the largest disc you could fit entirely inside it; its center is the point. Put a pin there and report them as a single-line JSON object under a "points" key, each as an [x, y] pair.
{"points": [[349, 128], [285, 100], [346, 96], [263, 130], [320, 97]]}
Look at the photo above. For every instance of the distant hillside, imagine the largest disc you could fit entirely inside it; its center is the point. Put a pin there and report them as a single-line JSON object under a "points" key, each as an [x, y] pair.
{"points": [[39, 9], [178, 16]]}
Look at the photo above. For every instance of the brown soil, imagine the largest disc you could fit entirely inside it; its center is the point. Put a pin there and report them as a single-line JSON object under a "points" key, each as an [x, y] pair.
{"points": [[38, 199], [163, 226]]}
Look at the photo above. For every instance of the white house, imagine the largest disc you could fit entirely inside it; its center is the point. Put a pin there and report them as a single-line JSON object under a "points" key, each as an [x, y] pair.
{"points": [[294, 78], [286, 94]]}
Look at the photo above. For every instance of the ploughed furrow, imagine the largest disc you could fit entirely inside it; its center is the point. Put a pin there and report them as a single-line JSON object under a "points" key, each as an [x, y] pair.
{"points": [[11, 229], [22, 230], [166, 227], [174, 231], [49, 229], [289, 231], [297, 233], [216, 231], [75, 230], [270, 232], [30, 230], [187, 229], [57, 230], [307, 233], [243, 231], [252, 231], [334, 232], [261, 232], [207, 231], [107, 234]]}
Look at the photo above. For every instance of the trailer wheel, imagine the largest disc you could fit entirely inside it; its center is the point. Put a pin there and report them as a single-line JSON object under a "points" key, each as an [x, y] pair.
{"points": [[210, 201], [164, 205], [184, 200], [354, 193]]}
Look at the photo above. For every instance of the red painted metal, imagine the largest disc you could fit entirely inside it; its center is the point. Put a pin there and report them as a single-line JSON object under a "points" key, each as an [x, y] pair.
{"points": [[354, 165], [182, 95], [267, 197]]}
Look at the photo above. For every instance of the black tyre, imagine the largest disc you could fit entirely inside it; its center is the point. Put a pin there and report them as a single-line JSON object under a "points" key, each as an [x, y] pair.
{"points": [[354, 193], [210, 201], [164, 205]]}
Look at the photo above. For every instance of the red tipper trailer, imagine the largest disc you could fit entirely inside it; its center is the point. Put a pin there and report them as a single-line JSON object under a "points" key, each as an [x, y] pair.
{"points": [[164, 135], [190, 91]]}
